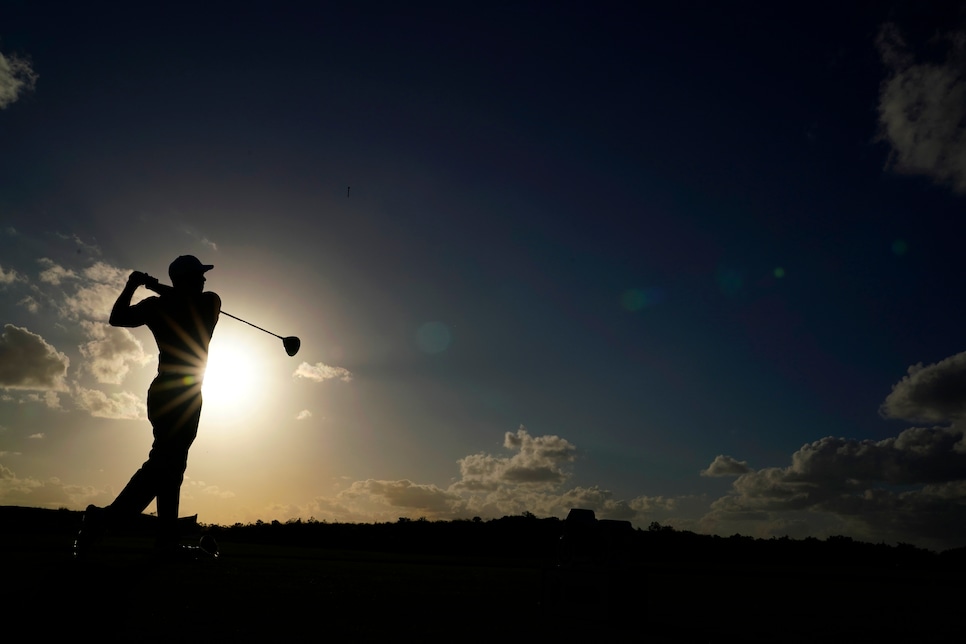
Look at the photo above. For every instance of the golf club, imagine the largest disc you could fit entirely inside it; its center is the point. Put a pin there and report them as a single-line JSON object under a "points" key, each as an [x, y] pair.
{"points": [[291, 343]]}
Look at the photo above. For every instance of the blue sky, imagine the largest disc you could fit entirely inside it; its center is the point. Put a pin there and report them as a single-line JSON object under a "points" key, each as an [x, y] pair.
{"points": [[673, 264]]}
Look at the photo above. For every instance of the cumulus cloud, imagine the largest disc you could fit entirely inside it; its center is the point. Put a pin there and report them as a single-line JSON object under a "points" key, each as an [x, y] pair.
{"points": [[46, 493], [214, 490], [30, 303], [10, 482], [123, 405], [379, 501], [912, 485], [76, 293], [49, 398], [27, 361], [832, 466], [9, 276], [53, 273], [17, 77], [96, 293], [210, 490], [320, 372], [601, 501], [104, 273], [372, 500], [922, 109], [84, 294], [303, 415], [933, 393], [110, 352], [52, 400], [726, 466], [405, 494], [490, 486], [538, 460]]}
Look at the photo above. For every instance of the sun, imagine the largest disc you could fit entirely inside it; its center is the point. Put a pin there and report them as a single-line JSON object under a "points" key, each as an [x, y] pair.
{"points": [[231, 388]]}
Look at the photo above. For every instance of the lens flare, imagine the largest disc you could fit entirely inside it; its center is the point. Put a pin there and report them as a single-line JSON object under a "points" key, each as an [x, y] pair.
{"points": [[637, 299], [433, 337]]}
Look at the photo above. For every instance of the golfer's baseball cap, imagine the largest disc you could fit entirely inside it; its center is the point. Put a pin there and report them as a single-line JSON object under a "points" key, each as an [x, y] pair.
{"points": [[187, 265]]}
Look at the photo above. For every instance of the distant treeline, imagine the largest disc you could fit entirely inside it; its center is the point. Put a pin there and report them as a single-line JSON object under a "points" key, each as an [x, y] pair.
{"points": [[529, 540]]}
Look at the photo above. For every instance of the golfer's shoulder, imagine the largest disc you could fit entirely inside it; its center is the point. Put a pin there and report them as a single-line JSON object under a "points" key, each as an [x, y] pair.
{"points": [[213, 298], [148, 303], [144, 312]]}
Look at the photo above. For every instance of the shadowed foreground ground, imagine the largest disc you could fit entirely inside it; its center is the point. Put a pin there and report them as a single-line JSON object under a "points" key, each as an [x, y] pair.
{"points": [[277, 591]]}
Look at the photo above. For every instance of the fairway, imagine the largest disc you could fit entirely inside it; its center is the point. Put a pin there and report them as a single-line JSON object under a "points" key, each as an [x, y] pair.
{"points": [[279, 591]]}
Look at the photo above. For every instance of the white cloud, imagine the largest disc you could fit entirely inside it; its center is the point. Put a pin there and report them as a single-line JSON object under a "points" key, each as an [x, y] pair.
{"points": [[601, 501], [87, 293], [103, 273], [9, 276], [922, 109], [37, 436], [27, 361], [406, 494], [908, 488], [50, 493], [17, 77], [933, 393], [30, 303], [123, 405], [539, 460], [209, 490], [490, 487], [303, 415], [110, 352], [726, 466], [92, 301], [53, 273], [320, 372], [52, 400], [214, 490]]}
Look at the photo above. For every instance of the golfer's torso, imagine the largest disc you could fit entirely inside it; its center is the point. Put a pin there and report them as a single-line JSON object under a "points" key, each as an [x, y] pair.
{"points": [[182, 326]]}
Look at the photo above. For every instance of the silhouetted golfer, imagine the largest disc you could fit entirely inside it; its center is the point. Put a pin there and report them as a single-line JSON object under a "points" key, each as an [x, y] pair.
{"points": [[182, 319]]}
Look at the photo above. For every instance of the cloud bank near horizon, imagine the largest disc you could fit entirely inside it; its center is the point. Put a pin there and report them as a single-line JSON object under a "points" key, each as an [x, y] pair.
{"points": [[910, 487]]}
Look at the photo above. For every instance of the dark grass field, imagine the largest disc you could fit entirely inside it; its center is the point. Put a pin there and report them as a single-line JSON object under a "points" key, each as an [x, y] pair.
{"points": [[257, 591]]}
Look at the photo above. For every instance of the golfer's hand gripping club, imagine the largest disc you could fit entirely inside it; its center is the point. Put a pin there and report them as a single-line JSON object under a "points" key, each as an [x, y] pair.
{"points": [[138, 278]]}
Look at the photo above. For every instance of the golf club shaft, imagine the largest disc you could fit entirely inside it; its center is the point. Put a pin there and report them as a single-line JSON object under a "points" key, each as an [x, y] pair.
{"points": [[159, 288], [250, 324]]}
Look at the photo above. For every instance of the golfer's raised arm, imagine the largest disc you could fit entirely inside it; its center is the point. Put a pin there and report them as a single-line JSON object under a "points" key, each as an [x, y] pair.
{"points": [[123, 313]]}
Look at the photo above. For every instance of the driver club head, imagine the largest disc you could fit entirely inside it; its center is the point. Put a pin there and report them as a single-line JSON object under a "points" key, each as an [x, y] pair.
{"points": [[291, 344]]}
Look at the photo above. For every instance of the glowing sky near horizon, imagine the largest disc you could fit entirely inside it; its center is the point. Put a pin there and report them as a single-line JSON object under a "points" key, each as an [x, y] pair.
{"points": [[693, 265]]}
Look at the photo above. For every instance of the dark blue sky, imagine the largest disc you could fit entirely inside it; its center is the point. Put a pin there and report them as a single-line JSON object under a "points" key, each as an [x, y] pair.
{"points": [[659, 235]]}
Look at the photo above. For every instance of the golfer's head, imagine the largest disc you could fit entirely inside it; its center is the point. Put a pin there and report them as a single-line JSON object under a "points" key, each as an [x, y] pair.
{"points": [[188, 273]]}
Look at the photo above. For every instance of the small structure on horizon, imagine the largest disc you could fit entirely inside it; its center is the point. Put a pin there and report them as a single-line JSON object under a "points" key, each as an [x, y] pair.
{"points": [[587, 540]]}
